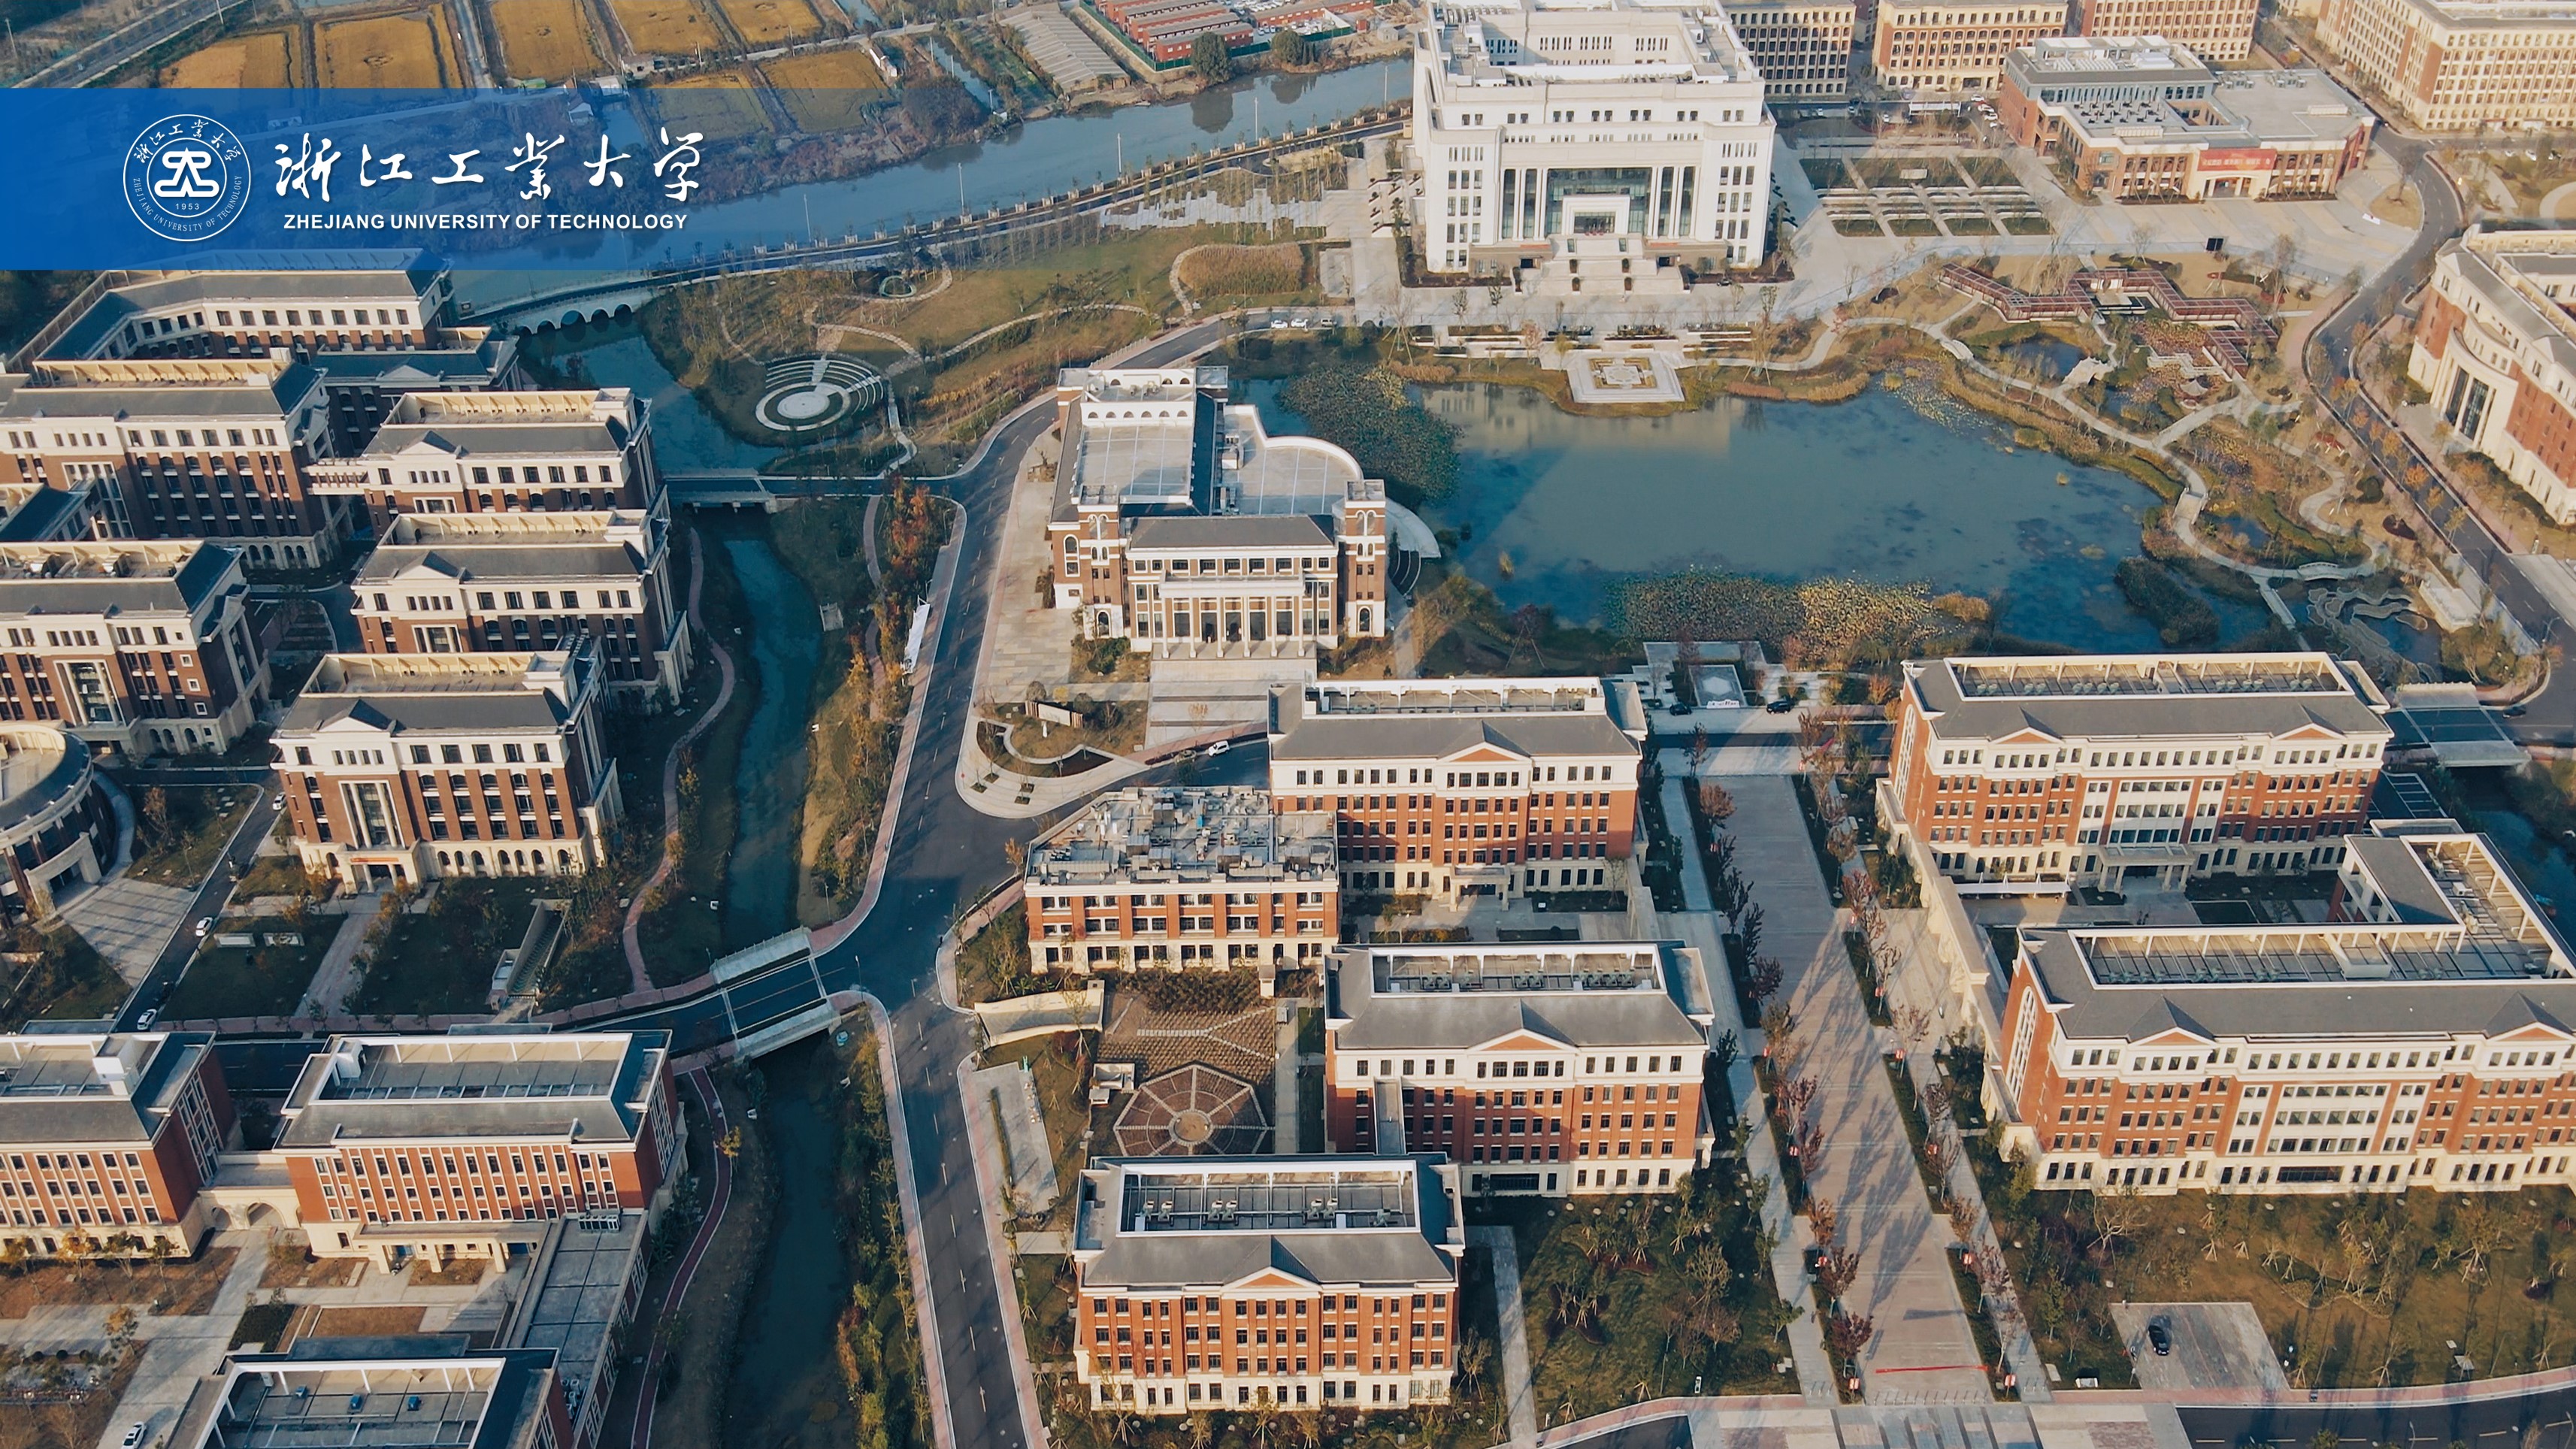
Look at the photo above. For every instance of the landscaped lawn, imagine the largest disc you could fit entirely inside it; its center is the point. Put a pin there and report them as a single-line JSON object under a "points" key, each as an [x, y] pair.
{"points": [[180, 831], [1610, 1302], [442, 960], [260, 980], [72, 983], [2370, 1289]]}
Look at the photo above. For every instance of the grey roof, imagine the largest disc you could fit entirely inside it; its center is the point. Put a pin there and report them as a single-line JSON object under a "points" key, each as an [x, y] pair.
{"points": [[39, 764], [1236, 530], [419, 366], [175, 593], [2399, 874], [467, 559], [51, 1090], [164, 399], [2292, 1008], [1588, 994], [40, 519], [1277, 1218], [2107, 715], [502, 439], [560, 1087], [369, 275], [466, 708], [1299, 734]]}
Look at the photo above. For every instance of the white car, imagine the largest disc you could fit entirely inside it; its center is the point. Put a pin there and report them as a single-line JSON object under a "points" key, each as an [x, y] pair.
{"points": [[204, 924], [134, 1436], [1220, 747]]}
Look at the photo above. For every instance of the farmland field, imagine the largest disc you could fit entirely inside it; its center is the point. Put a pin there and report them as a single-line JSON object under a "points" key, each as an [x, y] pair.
{"points": [[546, 40], [721, 104], [254, 61], [828, 90], [770, 22], [407, 50], [667, 27]]}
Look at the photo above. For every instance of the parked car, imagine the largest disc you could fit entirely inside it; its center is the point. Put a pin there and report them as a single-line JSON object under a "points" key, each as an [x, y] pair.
{"points": [[2159, 1336], [134, 1436], [1781, 706]]}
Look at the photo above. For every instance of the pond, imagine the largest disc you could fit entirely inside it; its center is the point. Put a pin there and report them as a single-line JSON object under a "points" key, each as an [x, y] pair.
{"points": [[769, 791], [1889, 487]]}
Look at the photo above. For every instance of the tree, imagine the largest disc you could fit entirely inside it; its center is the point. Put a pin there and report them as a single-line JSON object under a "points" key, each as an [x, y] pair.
{"points": [[156, 810], [1287, 48], [1210, 58], [1714, 802]]}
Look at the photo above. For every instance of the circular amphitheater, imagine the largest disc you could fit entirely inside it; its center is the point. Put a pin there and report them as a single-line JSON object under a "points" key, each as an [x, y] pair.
{"points": [[811, 393], [1195, 1111]]}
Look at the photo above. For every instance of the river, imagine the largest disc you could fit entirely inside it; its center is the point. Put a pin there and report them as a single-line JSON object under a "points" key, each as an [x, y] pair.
{"points": [[769, 789], [1025, 163]]}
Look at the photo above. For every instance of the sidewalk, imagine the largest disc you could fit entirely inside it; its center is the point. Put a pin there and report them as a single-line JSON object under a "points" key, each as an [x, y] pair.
{"points": [[1923, 1351]]}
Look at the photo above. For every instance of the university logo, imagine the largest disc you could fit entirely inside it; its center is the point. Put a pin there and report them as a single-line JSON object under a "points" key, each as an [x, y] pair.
{"points": [[187, 178]]}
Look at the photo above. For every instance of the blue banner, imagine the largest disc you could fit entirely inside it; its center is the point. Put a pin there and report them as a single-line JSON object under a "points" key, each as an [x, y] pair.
{"points": [[211, 178]]}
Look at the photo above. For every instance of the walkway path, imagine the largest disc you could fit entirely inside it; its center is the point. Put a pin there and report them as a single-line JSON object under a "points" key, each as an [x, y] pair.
{"points": [[719, 1196], [1701, 928], [639, 978], [1924, 1351], [1518, 1390], [333, 978], [179, 1351]]}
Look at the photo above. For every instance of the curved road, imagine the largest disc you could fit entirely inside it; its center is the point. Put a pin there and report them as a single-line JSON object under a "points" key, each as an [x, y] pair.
{"points": [[945, 854], [2549, 717]]}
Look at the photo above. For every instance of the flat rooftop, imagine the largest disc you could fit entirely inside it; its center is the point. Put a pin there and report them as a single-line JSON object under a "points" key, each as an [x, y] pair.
{"points": [[127, 576], [1182, 835], [592, 1084], [1455, 696], [1316, 1195], [1460, 995], [1533, 42], [411, 1392], [1166, 444], [2145, 696], [2114, 58], [1199, 1223], [1439, 719]]}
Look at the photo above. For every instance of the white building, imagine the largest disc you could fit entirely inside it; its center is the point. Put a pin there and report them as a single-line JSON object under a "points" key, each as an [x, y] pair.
{"points": [[1625, 136]]}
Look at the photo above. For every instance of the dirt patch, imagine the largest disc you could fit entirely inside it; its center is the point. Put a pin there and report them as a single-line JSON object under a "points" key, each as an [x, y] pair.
{"points": [[409, 51], [721, 104], [48, 1426], [1239, 1042], [367, 1322], [2399, 206], [463, 1273], [767, 22], [828, 90], [547, 40], [254, 62], [292, 1267], [667, 27], [1220, 270], [173, 1289]]}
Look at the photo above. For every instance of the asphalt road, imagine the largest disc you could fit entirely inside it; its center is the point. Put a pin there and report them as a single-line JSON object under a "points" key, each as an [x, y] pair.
{"points": [[2500, 1423], [2549, 717], [945, 854], [211, 893]]}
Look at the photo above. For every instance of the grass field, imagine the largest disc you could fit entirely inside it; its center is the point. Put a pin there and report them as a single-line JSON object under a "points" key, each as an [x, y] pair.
{"points": [[411, 50], [253, 62], [721, 104], [546, 40], [828, 90], [668, 27], [767, 22]]}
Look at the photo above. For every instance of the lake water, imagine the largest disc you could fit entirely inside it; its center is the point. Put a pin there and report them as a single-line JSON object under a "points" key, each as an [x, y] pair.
{"points": [[1557, 508], [686, 438]]}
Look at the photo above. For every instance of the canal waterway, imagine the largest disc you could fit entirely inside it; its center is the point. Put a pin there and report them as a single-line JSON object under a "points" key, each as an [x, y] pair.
{"points": [[769, 790], [1025, 163], [686, 437], [1557, 509], [786, 1387]]}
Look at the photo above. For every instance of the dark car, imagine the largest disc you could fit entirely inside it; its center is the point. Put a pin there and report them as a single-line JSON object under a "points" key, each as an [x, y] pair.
{"points": [[2159, 1336], [1781, 706]]}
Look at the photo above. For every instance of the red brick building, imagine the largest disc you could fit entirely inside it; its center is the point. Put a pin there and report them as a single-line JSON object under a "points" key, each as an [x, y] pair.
{"points": [[109, 1141], [1553, 1069], [460, 1145], [2423, 1037], [137, 648], [1287, 1282], [1464, 787], [483, 452], [2041, 773], [2496, 348], [412, 767]]}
